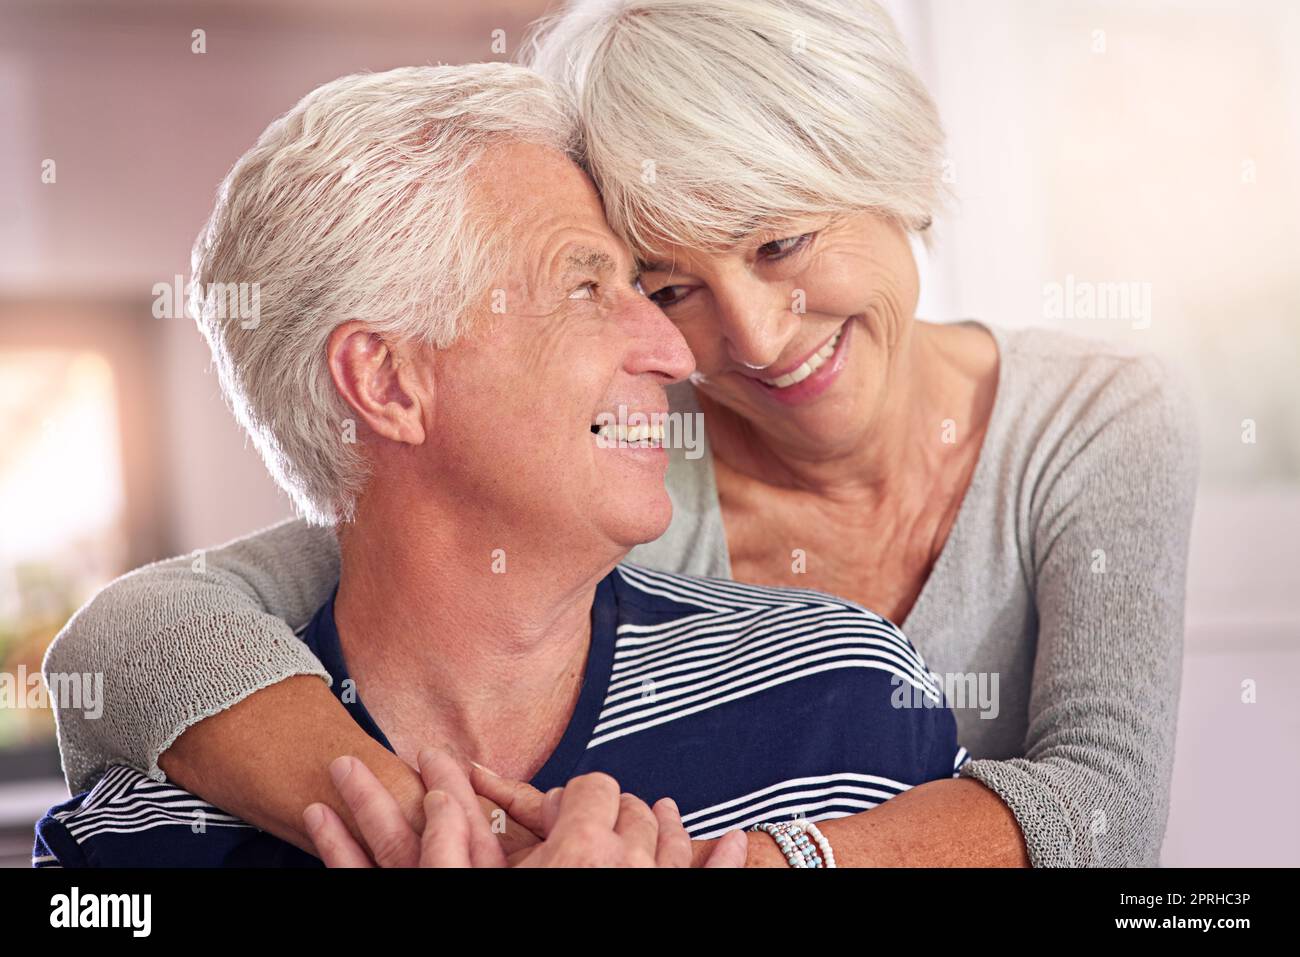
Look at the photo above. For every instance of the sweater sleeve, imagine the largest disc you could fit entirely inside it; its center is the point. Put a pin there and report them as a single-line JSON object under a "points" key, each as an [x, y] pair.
{"points": [[1107, 537], [183, 639]]}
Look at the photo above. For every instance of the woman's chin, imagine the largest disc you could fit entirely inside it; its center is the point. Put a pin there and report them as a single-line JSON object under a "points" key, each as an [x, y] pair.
{"points": [[833, 423]]}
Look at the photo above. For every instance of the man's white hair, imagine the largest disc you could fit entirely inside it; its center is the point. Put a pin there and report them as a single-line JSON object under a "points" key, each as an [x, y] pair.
{"points": [[355, 205], [703, 121]]}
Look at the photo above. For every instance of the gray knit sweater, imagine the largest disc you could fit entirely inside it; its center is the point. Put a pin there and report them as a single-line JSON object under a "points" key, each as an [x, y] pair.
{"points": [[1055, 610]]}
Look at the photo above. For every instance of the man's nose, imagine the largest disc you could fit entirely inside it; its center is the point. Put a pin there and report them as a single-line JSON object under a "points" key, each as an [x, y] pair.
{"points": [[657, 346]]}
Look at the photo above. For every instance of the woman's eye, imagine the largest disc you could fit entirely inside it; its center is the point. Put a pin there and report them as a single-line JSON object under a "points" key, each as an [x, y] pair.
{"points": [[668, 295], [586, 291], [780, 248]]}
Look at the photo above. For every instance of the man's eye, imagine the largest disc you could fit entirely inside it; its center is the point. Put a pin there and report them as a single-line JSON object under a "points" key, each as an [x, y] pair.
{"points": [[668, 295], [586, 291], [780, 248]]}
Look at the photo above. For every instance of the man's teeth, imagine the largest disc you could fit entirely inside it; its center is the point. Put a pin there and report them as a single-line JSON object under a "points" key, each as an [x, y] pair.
{"points": [[631, 433], [810, 365]]}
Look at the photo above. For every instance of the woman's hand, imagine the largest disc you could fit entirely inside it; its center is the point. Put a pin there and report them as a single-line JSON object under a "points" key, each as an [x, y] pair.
{"points": [[456, 828], [587, 823], [576, 819]]}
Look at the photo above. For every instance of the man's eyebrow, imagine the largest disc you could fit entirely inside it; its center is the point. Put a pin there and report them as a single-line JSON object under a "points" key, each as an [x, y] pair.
{"points": [[586, 259]]}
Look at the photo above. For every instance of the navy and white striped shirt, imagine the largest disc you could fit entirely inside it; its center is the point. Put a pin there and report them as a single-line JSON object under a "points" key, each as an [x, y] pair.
{"points": [[743, 703]]}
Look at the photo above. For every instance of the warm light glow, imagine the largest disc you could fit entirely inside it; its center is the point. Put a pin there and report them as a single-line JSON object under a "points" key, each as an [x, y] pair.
{"points": [[60, 456]]}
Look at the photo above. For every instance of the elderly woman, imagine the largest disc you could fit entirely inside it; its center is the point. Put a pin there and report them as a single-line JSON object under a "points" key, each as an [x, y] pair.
{"points": [[1018, 501], [605, 685]]}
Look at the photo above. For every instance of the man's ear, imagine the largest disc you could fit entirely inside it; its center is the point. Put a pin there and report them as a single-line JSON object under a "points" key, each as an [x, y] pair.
{"points": [[378, 382]]}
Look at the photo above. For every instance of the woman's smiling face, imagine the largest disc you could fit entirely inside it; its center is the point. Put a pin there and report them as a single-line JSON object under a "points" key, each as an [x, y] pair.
{"points": [[796, 328]]}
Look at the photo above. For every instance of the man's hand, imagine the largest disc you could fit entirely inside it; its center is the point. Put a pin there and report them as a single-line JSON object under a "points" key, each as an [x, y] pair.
{"points": [[587, 823], [456, 830], [577, 821]]}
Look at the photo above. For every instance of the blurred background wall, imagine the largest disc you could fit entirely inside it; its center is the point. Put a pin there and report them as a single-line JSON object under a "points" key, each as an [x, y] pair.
{"points": [[1146, 141]]}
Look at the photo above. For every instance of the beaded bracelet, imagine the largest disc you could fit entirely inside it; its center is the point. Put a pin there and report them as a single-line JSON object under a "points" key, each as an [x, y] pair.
{"points": [[802, 843], [793, 843], [785, 841], [823, 844]]}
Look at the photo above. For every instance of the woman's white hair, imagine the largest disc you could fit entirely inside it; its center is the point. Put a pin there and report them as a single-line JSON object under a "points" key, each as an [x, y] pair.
{"points": [[704, 121], [354, 205]]}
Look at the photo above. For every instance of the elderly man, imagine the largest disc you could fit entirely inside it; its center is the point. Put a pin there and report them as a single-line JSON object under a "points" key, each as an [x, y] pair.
{"points": [[446, 319]]}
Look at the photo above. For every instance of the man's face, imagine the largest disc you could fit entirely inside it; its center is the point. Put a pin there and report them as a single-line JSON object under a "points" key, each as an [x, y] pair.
{"points": [[572, 337]]}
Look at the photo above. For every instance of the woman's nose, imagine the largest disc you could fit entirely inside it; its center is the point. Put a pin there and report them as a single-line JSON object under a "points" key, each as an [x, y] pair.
{"points": [[756, 328]]}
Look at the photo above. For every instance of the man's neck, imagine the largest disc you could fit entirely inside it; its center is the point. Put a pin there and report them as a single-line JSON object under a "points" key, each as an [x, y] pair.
{"points": [[465, 637]]}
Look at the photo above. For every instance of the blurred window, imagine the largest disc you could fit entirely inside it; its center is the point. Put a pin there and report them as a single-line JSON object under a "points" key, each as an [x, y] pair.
{"points": [[61, 520]]}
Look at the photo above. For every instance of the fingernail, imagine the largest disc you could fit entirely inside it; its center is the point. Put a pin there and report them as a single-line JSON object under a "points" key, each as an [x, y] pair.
{"points": [[340, 768], [482, 768], [313, 816]]}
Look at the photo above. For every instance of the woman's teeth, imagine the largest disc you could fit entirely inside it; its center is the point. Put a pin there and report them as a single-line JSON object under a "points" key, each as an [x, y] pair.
{"points": [[810, 365]]}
